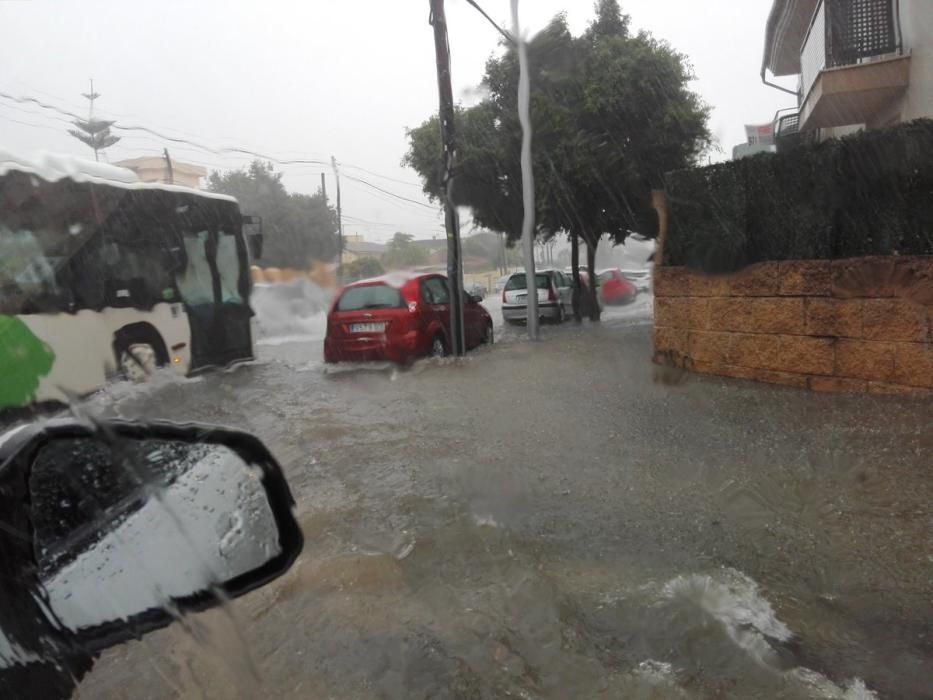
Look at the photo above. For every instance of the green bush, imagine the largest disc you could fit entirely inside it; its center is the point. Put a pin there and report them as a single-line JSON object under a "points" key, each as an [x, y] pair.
{"points": [[866, 194]]}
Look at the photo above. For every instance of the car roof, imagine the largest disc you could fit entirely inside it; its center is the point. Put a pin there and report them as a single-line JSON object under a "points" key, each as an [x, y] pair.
{"points": [[394, 279]]}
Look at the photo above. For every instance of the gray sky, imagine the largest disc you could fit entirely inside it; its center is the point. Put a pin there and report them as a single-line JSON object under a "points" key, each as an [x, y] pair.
{"points": [[307, 80]]}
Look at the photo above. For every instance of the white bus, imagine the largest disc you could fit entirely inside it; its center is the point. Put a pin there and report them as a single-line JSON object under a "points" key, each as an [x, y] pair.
{"points": [[102, 276]]}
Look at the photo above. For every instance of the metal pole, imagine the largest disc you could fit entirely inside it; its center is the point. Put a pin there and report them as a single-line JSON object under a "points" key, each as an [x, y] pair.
{"points": [[528, 183], [324, 188], [449, 155], [169, 171], [333, 162]]}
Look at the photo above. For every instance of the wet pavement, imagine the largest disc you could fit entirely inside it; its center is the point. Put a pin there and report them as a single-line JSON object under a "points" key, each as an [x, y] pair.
{"points": [[551, 520]]}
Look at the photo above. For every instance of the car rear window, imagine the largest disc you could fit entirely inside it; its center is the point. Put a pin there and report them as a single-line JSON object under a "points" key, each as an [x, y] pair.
{"points": [[372, 296], [606, 276], [518, 282]]}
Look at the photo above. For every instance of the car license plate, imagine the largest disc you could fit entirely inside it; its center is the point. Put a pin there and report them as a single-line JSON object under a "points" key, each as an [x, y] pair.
{"points": [[521, 297], [367, 327]]}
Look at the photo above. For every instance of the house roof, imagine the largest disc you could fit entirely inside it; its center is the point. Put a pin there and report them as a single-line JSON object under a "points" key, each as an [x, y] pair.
{"points": [[364, 247], [785, 32]]}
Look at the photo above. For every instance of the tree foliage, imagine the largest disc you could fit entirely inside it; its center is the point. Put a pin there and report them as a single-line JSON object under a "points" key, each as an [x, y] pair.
{"points": [[403, 252], [299, 228], [611, 113], [362, 268]]}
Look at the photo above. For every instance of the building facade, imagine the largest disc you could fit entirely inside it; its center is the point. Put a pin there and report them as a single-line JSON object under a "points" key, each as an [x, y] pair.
{"points": [[156, 169], [859, 63]]}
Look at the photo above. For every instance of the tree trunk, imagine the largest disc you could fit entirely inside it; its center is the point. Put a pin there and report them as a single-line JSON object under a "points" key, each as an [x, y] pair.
{"points": [[594, 310], [575, 267]]}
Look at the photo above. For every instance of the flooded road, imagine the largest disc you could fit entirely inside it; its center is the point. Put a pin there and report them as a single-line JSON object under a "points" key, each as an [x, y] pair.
{"points": [[548, 520]]}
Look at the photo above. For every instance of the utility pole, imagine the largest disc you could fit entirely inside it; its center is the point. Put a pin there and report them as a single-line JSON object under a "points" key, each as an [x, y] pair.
{"points": [[528, 183], [449, 155], [324, 188], [333, 162], [169, 171]]}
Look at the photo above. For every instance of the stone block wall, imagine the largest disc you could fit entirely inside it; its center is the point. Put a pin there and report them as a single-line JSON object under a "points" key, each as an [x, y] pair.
{"points": [[853, 325]]}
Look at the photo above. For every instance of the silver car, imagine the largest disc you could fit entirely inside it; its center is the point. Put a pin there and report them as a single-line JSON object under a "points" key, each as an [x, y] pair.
{"points": [[640, 278], [555, 297]]}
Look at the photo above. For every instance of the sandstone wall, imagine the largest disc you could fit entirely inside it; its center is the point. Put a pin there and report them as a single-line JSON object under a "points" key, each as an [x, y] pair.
{"points": [[854, 325]]}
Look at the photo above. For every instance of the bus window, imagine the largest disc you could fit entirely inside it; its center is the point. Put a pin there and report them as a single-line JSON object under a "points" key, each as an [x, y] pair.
{"points": [[194, 282], [228, 264], [27, 273]]}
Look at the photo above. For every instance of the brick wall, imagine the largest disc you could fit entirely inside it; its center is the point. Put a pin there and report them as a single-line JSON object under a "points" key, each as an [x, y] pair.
{"points": [[854, 325]]}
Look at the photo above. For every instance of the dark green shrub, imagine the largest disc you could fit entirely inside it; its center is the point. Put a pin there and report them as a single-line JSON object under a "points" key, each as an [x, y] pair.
{"points": [[866, 194]]}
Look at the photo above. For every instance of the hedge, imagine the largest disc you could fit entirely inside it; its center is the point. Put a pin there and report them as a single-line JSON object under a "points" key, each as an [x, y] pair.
{"points": [[866, 194]]}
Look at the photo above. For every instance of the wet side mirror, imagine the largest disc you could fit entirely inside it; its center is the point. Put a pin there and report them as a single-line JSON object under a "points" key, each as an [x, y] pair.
{"points": [[252, 228], [254, 243], [134, 524]]}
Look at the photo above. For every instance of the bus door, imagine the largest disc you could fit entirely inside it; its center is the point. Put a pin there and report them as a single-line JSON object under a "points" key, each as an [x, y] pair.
{"points": [[214, 285]]}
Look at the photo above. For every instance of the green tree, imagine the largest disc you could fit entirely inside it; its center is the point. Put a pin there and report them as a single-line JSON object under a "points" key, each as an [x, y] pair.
{"points": [[92, 132], [611, 113], [299, 228], [402, 252], [362, 268]]}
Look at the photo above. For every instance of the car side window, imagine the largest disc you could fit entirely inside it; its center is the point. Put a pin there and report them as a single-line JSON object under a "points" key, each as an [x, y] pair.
{"points": [[427, 297], [438, 290]]}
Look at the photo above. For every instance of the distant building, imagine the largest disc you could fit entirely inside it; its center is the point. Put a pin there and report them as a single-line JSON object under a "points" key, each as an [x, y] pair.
{"points": [[155, 169], [759, 139], [355, 247]]}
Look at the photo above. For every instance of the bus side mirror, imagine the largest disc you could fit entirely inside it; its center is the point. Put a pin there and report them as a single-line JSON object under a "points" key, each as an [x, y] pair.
{"points": [[254, 242], [253, 235]]}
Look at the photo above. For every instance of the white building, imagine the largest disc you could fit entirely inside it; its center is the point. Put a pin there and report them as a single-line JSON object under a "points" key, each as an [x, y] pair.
{"points": [[860, 63]]}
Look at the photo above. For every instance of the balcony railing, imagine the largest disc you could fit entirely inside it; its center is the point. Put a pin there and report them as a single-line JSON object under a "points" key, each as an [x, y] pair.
{"points": [[846, 33]]}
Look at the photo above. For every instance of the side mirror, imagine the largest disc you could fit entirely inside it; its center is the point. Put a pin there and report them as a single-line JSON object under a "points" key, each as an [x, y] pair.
{"points": [[474, 298], [254, 243], [134, 524], [252, 226]]}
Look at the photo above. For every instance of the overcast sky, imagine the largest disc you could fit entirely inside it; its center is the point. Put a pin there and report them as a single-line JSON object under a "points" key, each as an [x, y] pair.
{"points": [[307, 80]]}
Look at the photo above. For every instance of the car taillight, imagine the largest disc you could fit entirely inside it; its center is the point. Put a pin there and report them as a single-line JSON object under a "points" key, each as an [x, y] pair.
{"points": [[503, 295]]}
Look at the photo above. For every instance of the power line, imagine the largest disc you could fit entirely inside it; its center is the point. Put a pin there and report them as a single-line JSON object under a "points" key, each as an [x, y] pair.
{"points": [[221, 150], [384, 177], [508, 37], [391, 194]]}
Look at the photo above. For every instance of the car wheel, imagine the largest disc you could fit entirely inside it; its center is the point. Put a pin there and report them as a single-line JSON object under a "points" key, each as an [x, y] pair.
{"points": [[437, 347], [488, 336], [138, 361]]}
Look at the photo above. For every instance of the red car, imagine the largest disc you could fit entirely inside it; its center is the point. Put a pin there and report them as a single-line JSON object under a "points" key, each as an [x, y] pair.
{"points": [[399, 317], [615, 288]]}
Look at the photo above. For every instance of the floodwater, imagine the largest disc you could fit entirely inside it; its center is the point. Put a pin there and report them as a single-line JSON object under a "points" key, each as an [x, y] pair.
{"points": [[549, 520]]}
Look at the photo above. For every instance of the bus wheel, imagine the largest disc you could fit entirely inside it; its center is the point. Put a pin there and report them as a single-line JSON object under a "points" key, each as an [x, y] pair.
{"points": [[139, 350], [138, 361]]}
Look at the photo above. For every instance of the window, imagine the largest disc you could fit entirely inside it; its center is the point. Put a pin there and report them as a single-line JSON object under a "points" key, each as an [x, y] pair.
{"points": [[371, 296], [436, 289], [517, 282], [195, 282], [228, 264]]}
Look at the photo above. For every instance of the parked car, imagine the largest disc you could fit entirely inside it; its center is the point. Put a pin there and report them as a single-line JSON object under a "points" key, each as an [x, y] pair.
{"points": [[640, 278], [614, 288], [477, 290], [399, 318], [555, 297], [584, 276]]}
